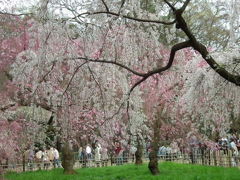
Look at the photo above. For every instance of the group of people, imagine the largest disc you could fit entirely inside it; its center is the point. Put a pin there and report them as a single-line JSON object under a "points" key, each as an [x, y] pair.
{"points": [[43, 157], [100, 155], [200, 149], [87, 155], [233, 144]]}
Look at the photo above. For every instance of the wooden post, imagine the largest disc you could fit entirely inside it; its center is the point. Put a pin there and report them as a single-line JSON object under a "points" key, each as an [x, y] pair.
{"points": [[23, 162]]}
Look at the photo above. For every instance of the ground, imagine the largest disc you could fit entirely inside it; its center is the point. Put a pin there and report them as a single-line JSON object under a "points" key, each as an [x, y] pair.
{"points": [[169, 171]]}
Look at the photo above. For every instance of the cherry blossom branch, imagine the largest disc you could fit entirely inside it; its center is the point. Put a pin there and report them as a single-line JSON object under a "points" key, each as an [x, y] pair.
{"points": [[174, 49], [144, 76], [181, 24]]}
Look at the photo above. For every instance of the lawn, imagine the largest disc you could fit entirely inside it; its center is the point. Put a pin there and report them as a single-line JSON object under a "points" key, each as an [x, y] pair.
{"points": [[169, 171]]}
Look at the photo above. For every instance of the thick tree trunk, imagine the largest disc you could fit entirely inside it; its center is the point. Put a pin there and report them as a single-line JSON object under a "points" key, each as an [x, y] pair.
{"points": [[138, 153], [153, 163], [68, 159]]}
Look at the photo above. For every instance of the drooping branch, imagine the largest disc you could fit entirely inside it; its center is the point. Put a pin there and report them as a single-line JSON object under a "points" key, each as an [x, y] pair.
{"points": [[104, 3], [215, 66], [100, 89], [144, 76], [74, 73], [122, 4], [170, 5], [136, 84], [15, 14], [185, 5], [181, 24], [174, 49], [126, 17], [111, 62], [45, 76]]}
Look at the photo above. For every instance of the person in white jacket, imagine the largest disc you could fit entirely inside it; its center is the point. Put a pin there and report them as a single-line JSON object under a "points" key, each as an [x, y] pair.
{"points": [[56, 162], [233, 147], [97, 156]]}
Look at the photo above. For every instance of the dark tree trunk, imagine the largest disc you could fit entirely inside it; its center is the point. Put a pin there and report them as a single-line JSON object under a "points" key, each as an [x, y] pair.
{"points": [[153, 163], [68, 159], [138, 153]]}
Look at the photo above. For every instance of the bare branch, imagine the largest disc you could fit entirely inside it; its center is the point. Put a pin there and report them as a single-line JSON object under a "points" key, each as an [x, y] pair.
{"points": [[44, 77], [214, 65], [185, 5], [100, 88], [170, 5], [111, 62], [181, 24], [4, 108], [123, 2], [136, 84], [127, 17], [74, 73], [112, 116], [12, 14], [104, 3], [174, 49]]}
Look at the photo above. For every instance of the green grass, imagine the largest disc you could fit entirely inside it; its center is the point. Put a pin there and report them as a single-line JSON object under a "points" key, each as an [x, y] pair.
{"points": [[169, 171]]}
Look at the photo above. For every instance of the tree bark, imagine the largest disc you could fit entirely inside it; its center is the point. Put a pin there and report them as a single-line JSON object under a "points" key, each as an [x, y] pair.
{"points": [[153, 163], [68, 159], [138, 153], [153, 155]]}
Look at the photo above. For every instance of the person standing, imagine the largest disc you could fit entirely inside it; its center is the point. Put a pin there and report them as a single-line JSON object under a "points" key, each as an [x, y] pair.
{"points": [[50, 155], [132, 152], [104, 156], [56, 158], [89, 154], [80, 154], [233, 147], [119, 154], [39, 158], [46, 161], [97, 155], [30, 158]]}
